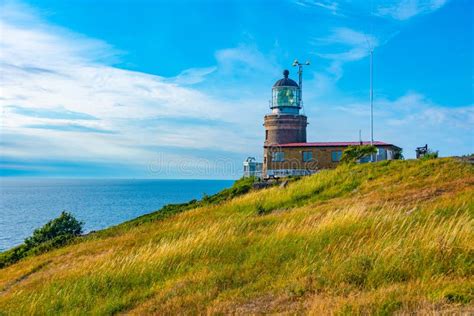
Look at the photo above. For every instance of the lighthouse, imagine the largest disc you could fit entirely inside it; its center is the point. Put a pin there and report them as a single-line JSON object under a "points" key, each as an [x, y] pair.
{"points": [[284, 124], [286, 152]]}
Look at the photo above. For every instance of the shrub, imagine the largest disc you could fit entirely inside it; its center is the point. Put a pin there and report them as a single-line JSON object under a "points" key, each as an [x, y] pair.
{"points": [[430, 154], [63, 226], [53, 234], [12, 255], [398, 154], [353, 153], [260, 208]]}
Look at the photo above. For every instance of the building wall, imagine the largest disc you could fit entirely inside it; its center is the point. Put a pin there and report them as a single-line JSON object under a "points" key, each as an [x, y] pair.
{"points": [[293, 158]]}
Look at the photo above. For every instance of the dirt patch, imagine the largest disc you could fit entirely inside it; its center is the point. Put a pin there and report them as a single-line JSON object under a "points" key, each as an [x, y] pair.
{"points": [[284, 305], [25, 276]]}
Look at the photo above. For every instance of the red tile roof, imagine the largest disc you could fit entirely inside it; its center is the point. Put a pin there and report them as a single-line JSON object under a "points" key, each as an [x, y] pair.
{"points": [[330, 144]]}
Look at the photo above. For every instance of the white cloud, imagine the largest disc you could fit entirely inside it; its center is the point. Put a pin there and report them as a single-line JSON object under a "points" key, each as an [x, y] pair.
{"points": [[395, 9], [193, 75], [62, 98], [416, 109], [350, 37], [50, 74], [331, 6], [407, 121], [22, 30], [346, 45], [244, 59], [407, 9]]}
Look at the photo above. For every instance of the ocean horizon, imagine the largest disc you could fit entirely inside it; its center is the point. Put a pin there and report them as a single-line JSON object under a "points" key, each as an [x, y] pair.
{"points": [[29, 203]]}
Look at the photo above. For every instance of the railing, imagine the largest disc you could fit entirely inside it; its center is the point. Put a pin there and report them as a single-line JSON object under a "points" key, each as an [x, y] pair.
{"points": [[257, 174], [289, 172], [271, 105]]}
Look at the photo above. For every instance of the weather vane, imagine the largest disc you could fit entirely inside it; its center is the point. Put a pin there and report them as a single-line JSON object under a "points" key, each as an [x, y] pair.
{"points": [[300, 76]]}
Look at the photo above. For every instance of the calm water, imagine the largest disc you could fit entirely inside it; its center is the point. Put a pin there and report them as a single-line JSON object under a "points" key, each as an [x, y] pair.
{"points": [[27, 204]]}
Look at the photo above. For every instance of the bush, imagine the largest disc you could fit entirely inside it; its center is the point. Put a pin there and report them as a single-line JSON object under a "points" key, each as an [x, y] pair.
{"points": [[398, 154], [12, 255], [52, 235], [63, 226], [260, 208], [430, 154], [353, 153]]}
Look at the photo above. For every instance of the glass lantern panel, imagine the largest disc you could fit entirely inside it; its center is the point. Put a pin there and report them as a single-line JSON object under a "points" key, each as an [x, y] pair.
{"points": [[286, 96]]}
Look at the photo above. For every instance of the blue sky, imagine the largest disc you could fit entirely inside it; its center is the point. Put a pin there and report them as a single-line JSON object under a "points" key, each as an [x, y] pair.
{"points": [[178, 89]]}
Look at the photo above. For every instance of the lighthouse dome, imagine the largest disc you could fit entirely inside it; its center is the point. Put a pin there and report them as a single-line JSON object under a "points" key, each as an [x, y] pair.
{"points": [[285, 82]]}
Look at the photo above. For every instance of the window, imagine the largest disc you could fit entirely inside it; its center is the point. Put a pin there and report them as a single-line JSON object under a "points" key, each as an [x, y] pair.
{"points": [[307, 156], [278, 156], [266, 135], [365, 159], [285, 96], [381, 154], [336, 156], [389, 154]]}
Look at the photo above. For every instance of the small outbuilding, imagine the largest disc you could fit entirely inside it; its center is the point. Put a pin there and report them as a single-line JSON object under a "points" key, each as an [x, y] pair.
{"points": [[252, 168]]}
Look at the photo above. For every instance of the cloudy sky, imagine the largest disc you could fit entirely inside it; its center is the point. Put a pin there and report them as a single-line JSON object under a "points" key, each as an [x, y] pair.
{"points": [[178, 89]]}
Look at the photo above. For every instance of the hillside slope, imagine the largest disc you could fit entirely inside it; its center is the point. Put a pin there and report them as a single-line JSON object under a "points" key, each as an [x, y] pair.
{"points": [[374, 238]]}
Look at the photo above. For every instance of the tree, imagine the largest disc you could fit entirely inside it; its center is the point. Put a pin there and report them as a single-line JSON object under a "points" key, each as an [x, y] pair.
{"points": [[62, 227], [398, 154], [353, 153]]}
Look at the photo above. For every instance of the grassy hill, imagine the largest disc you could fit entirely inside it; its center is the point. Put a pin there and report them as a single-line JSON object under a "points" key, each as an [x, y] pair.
{"points": [[375, 238]]}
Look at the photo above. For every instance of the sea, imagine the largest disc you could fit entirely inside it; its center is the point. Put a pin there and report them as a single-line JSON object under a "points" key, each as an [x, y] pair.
{"points": [[26, 204]]}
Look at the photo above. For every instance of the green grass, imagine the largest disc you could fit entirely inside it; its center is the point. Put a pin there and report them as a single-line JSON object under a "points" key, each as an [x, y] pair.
{"points": [[366, 239]]}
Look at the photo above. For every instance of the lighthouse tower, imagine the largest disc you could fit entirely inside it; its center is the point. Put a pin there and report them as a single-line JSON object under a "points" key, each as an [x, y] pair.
{"points": [[285, 124]]}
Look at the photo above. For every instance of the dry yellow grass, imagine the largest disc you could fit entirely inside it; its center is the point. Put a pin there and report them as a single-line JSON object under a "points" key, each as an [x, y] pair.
{"points": [[382, 238]]}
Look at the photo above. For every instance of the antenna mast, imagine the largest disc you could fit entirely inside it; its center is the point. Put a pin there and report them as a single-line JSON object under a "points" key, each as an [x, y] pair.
{"points": [[371, 96], [371, 48], [300, 77]]}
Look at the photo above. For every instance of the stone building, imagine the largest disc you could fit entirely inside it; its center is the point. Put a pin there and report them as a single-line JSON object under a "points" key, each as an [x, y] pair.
{"points": [[286, 150]]}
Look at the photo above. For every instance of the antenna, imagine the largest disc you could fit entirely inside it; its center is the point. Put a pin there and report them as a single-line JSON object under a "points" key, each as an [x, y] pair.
{"points": [[300, 77], [371, 96], [371, 48]]}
